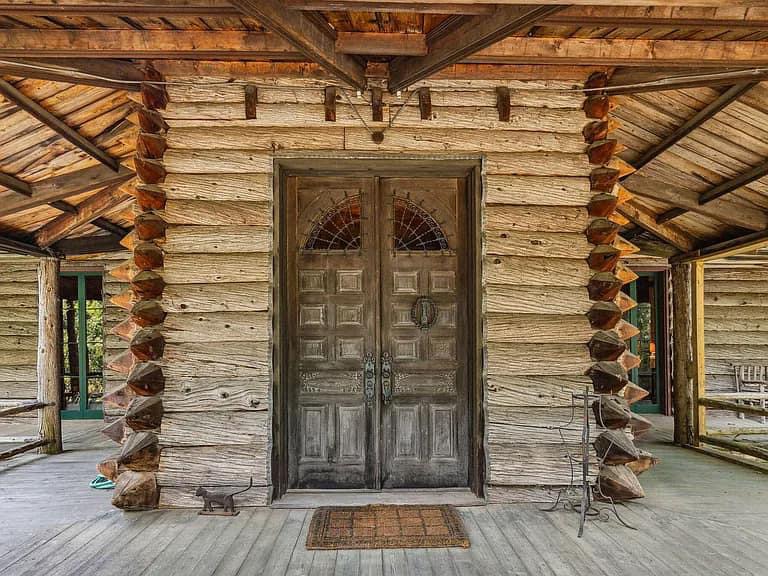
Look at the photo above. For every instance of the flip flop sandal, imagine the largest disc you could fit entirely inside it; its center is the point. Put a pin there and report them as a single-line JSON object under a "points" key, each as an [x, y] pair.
{"points": [[102, 483]]}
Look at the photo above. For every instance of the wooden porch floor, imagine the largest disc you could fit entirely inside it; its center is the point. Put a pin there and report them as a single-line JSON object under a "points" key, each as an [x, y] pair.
{"points": [[701, 516]]}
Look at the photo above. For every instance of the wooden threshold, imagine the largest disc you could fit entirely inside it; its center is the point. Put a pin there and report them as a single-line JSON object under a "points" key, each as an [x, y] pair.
{"points": [[317, 498]]}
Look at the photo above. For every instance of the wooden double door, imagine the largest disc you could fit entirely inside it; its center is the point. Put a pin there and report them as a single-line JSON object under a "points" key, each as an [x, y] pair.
{"points": [[377, 306]]}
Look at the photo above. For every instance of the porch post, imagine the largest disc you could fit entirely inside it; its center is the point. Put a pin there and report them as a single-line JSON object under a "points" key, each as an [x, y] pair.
{"points": [[682, 327], [698, 373], [48, 354]]}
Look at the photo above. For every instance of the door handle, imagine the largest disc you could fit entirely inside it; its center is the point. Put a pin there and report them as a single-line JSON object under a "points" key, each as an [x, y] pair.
{"points": [[369, 379], [386, 377]]}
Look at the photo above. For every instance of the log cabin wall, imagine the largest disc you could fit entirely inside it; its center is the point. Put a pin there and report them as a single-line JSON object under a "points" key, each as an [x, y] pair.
{"points": [[18, 331], [735, 322], [216, 175]]}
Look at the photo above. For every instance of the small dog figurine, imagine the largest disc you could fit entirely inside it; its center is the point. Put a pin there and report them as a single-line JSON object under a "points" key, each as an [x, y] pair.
{"points": [[226, 501]]}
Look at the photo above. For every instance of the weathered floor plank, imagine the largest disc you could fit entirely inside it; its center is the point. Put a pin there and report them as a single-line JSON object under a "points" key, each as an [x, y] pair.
{"points": [[701, 516]]}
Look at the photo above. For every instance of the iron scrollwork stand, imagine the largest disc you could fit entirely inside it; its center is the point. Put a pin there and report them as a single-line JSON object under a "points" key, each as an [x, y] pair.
{"points": [[581, 499]]}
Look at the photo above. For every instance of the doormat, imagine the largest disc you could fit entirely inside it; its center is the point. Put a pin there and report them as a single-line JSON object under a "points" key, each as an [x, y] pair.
{"points": [[386, 526]]}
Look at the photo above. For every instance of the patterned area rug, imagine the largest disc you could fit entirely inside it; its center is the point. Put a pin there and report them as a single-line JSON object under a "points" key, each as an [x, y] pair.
{"points": [[383, 526]]}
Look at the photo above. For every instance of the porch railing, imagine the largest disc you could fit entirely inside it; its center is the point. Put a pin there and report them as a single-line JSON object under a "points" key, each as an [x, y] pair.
{"points": [[26, 446]]}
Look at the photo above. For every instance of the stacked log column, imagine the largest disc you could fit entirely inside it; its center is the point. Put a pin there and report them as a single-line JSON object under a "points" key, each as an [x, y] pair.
{"points": [[136, 466], [620, 460]]}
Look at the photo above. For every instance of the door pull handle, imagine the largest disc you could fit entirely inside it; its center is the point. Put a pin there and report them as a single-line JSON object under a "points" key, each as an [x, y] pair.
{"points": [[386, 377], [369, 379]]}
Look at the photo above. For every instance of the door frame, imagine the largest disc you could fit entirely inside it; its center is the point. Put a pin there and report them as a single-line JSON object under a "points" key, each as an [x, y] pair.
{"points": [[405, 166]]}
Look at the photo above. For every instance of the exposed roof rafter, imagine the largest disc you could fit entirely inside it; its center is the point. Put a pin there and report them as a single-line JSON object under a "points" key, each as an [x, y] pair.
{"points": [[12, 94], [730, 95], [311, 39], [59, 187], [473, 34], [720, 190]]}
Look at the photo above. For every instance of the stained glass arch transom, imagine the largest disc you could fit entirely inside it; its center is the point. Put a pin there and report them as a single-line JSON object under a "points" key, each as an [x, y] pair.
{"points": [[415, 229], [338, 228]]}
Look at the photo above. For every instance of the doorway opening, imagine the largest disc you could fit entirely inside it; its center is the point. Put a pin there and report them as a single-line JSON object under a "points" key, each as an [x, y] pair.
{"points": [[82, 344], [376, 385], [650, 316]]}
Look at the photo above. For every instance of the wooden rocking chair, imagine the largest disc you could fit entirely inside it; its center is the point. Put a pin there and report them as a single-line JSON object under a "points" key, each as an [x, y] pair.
{"points": [[751, 378]]}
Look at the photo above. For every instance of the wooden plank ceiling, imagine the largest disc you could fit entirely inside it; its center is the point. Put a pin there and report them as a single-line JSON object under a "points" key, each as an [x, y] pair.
{"points": [[701, 146]]}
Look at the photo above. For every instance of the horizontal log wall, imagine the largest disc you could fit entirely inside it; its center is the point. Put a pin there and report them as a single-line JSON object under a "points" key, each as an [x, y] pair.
{"points": [[18, 331], [218, 264], [735, 323]]}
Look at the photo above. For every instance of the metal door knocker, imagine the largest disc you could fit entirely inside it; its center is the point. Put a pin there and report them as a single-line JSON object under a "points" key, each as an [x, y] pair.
{"points": [[424, 313]]}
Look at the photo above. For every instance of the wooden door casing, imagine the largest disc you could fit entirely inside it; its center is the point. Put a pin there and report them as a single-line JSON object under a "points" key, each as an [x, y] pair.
{"points": [[347, 300]]}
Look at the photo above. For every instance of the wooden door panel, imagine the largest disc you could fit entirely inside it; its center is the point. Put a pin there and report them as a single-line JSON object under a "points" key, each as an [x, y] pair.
{"points": [[332, 286], [424, 429]]}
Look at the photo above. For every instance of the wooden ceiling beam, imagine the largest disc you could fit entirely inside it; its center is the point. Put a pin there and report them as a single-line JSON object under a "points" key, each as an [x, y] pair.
{"points": [[21, 247], [472, 35], [635, 81], [113, 74], [314, 41], [64, 186], [676, 3], [418, 7], [86, 212], [100, 44], [460, 44], [727, 187], [12, 94], [156, 8], [381, 44], [626, 52], [15, 184], [732, 94], [725, 248], [87, 245], [641, 216]]}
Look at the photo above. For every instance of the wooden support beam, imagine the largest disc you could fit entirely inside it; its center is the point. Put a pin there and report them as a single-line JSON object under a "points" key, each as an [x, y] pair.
{"points": [[15, 184], [86, 212], [693, 54], [64, 186], [21, 408], [643, 217], [733, 93], [20, 247], [87, 245], [381, 43], [725, 248], [388, 6], [355, 4], [115, 74], [312, 40], [720, 190], [472, 35], [48, 354], [74, 137], [631, 80], [100, 44], [136, 8]]}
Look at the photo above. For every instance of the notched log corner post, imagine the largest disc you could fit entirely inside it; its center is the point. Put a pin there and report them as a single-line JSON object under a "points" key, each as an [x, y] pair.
{"points": [[134, 469], [608, 345]]}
